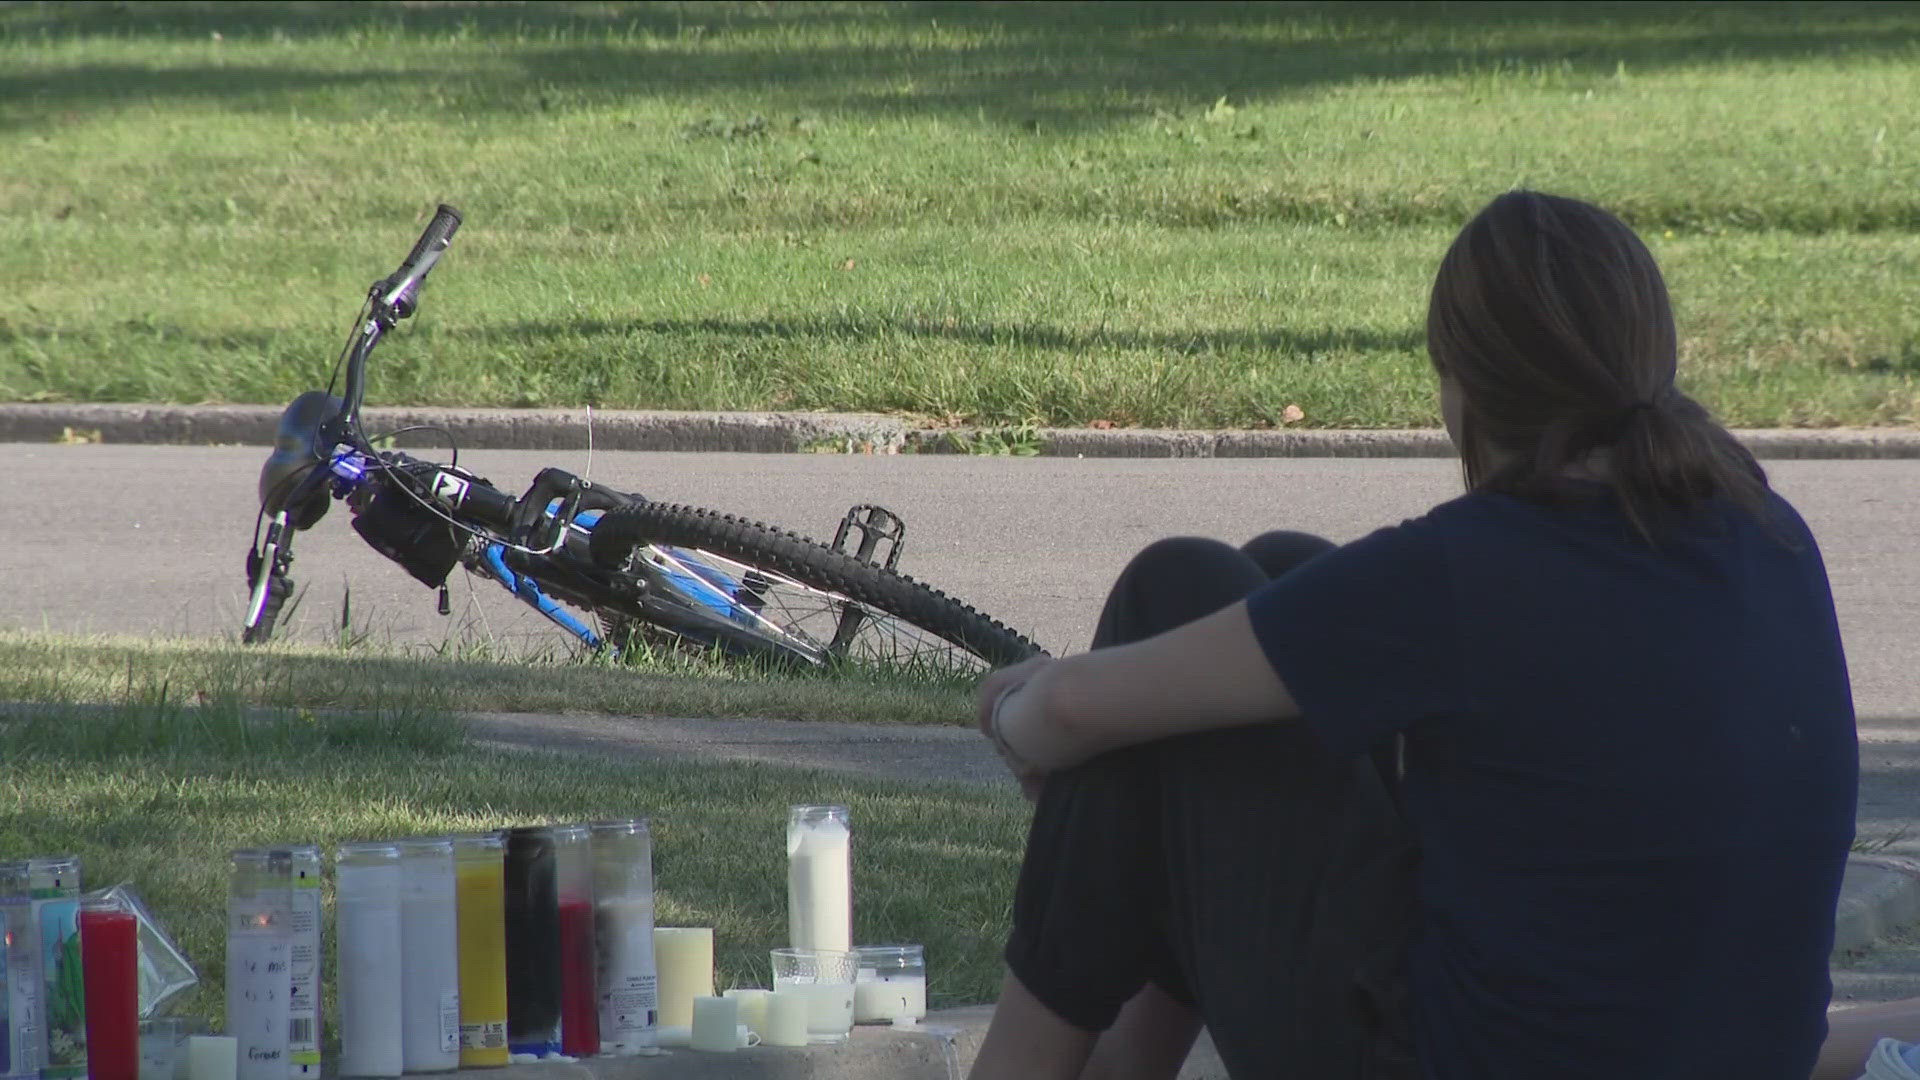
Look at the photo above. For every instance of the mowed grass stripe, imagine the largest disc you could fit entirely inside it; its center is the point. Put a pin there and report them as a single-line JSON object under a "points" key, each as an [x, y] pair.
{"points": [[1190, 215]]}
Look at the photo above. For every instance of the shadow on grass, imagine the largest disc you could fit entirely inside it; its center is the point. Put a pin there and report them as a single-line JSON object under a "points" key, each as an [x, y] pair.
{"points": [[1060, 64]]}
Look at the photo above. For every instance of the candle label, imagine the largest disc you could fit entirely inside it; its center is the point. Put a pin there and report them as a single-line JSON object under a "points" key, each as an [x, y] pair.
{"points": [[258, 984], [303, 1004], [66, 990], [491, 1036], [634, 1007], [449, 1021]]}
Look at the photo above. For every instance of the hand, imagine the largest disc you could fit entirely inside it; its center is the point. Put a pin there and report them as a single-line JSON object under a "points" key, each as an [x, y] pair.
{"points": [[995, 694]]}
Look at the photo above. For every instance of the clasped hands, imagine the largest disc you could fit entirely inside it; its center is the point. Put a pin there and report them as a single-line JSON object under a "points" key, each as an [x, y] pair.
{"points": [[1030, 739]]}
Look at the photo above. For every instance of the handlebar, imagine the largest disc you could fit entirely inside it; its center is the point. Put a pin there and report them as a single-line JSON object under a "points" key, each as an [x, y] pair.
{"points": [[392, 298]]}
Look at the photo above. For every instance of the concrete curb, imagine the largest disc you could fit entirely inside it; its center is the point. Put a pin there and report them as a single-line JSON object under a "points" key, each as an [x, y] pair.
{"points": [[795, 432], [1881, 894]]}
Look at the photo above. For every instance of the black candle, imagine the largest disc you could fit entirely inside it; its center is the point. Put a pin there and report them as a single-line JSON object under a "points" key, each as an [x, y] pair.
{"points": [[533, 942]]}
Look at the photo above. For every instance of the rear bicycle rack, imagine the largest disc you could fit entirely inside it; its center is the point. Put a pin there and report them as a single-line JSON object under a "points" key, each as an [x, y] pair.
{"points": [[875, 524]]}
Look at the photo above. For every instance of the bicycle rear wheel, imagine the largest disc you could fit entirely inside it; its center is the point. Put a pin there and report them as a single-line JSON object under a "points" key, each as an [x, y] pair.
{"points": [[804, 599]]}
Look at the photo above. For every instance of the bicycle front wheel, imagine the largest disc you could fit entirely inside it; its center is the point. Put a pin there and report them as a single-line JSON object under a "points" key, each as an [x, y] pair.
{"points": [[803, 598]]}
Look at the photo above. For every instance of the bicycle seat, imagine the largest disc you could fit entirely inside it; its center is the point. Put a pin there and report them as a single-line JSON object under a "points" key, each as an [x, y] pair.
{"points": [[294, 454]]}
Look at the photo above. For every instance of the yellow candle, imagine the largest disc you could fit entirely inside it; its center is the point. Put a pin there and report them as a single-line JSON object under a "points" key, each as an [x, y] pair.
{"points": [[684, 959], [479, 881]]}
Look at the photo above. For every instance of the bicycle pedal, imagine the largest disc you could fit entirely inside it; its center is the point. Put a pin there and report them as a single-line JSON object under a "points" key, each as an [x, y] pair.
{"points": [[875, 524]]}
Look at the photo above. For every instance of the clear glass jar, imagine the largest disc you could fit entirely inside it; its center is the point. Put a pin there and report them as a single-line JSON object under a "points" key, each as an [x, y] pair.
{"points": [[479, 867], [259, 960], [820, 878], [533, 941], [623, 933], [430, 956], [891, 986], [366, 920]]}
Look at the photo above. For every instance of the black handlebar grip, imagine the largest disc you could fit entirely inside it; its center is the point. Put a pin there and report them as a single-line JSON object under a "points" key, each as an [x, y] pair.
{"points": [[438, 234], [400, 289]]}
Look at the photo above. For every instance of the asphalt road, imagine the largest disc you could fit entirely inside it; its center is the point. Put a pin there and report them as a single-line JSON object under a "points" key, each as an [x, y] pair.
{"points": [[139, 539]]}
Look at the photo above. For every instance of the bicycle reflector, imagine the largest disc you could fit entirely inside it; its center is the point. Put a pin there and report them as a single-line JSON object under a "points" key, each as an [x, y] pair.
{"points": [[413, 536]]}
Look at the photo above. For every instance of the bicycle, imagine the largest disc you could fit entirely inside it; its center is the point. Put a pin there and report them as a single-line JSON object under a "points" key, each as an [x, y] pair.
{"points": [[642, 570]]}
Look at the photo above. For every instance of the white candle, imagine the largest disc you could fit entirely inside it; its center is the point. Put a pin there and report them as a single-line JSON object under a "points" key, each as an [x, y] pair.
{"points": [[829, 1007], [677, 1037], [684, 956], [212, 1057], [430, 958], [629, 986], [753, 1008], [716, 1021], [884, 998], [786, 1019], [367, 932], [819, 879]]}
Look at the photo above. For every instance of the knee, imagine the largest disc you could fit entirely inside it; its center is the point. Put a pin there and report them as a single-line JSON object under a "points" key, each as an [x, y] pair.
{"points": [[1178, 556], [1280, 551]]}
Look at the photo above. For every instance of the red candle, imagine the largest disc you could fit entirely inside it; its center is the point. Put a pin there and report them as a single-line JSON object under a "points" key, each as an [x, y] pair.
{"points": [[579, 1001], [109, 964]]}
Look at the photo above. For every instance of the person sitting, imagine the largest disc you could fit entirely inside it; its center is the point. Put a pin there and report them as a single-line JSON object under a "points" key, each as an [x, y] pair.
{"points": [[1556, 780]]}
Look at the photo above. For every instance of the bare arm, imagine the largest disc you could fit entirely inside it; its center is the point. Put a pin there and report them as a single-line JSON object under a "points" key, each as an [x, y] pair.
{"points": [[1208, 674]]}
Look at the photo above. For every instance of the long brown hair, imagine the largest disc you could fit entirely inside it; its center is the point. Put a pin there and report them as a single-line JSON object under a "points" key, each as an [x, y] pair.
{"points": [[1552, 319]]}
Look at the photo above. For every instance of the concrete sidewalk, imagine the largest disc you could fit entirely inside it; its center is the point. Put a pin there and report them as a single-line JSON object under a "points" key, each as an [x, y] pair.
{"points": [[793, 432]]}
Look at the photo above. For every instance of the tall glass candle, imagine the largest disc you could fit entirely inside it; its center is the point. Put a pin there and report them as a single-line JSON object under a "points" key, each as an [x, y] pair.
{"points": [[259, 961], [303, 1006], [819, 878], [623, 933], [533, 942], [366, 905], [579, 1003], [20, 978], [110, 958], [430, 957], [55, 884], [479, 879]]}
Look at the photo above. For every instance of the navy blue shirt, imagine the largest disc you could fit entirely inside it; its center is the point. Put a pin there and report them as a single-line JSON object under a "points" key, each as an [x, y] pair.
{"points": [[1631, 772]]}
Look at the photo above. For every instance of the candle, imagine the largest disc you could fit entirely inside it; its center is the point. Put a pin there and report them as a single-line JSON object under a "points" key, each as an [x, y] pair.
{"points": [[716, 1021], [786, 1019], [367, 965], [109, 953], [482, 917], [896, 997], [892, 984], [19, 975], [753, 1008], [259, 973], [533, 942], [684, 956], [824, 979], [430, 957], [55, 886], [623, 934], [579, 997], [212, 1057], [819, 878]]}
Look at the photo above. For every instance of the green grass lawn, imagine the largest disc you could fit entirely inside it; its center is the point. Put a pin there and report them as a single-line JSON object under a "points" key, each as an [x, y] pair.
{"points": [[1184, 214], [156, 795], [66, 670]]}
